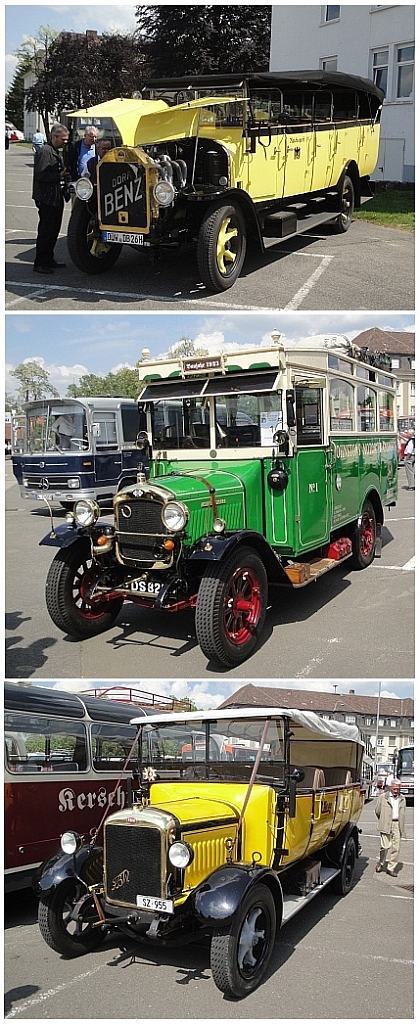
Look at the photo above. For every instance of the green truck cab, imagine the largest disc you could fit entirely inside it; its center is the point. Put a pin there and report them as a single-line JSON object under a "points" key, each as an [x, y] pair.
{"points": [[268, 467], [231, 161]]}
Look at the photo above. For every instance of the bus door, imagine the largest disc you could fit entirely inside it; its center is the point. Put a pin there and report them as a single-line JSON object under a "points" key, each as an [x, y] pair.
{"points": [[264, 160], [324, 141], [108, 460], [299, 143], [312, 466]]}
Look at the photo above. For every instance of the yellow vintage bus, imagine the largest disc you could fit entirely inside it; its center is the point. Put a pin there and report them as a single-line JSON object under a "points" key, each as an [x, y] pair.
{"points": [[230, 161], [115, 119]]}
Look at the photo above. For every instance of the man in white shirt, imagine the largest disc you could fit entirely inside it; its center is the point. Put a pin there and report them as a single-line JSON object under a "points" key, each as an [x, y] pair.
{"points": [[390, 811]]}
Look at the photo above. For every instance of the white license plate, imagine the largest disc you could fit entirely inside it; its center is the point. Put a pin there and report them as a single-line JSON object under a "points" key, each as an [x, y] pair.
{"points": [[155, 905], [123, 236], [146, 587]]}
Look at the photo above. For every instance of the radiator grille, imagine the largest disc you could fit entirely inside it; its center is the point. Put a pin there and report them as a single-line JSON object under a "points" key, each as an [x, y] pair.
{"points": [[139, 526], [35, 480], [132, 863]]}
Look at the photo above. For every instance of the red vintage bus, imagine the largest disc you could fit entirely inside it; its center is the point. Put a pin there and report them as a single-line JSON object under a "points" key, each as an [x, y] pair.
{"points": [[65, 755]]}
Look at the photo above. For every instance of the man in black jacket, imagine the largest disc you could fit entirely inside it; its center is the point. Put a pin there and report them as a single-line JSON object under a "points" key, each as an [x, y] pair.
{"points": [[49, 174]]}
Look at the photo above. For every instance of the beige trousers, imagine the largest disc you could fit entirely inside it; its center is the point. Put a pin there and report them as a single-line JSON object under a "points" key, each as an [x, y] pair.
{"points": [[390, 846]]}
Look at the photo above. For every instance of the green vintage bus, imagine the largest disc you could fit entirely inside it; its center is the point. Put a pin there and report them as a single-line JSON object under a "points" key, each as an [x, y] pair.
{"points": [[268, 467]]}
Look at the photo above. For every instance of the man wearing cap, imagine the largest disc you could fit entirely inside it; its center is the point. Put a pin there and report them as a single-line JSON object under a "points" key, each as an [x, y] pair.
{"points": [[390, 812]]}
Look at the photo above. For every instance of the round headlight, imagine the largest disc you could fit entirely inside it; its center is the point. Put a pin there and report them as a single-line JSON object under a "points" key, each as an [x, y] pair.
{"points": [[86, 512], [219, 525], [180, 855], [83, 189], [164, 192], [175, 516], [70, 842]]}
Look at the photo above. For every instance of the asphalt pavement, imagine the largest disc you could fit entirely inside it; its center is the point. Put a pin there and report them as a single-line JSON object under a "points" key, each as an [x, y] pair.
{"points": [[341, 958], [369, 267], [348, 625]]}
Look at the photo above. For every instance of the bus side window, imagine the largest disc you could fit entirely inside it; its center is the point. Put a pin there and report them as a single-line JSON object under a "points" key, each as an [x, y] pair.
{"points": [[105, 431], [309, 415], [341, 405]]}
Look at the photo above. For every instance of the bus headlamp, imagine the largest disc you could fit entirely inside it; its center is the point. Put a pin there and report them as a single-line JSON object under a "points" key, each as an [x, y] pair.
{"points": [[86, 512], [83, 189], [164, 193], [175, 516], [219, 525], [180, 855], [70, 842]]}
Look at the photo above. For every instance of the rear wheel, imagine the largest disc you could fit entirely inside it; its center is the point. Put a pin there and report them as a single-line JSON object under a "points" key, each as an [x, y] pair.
{"points": [[240, 954], [342, 883], [84, 241], [70, 578], [231, 607], [66, 930], [221, 247], [364, 537], [347, 200]]}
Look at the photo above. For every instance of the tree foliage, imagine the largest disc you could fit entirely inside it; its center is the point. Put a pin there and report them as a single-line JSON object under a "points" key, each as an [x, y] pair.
{"points": [[204, 39], [15, 99], [34, 381], [124, 383]]}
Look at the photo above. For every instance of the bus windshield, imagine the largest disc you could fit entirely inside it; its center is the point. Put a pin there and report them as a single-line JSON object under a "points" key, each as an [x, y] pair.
{"points": [[54, 426]]}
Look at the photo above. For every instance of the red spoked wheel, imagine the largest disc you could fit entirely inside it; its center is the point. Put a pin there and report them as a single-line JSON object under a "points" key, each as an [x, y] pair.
{"points": [[69, 581], [364, 537], [231, 607]]}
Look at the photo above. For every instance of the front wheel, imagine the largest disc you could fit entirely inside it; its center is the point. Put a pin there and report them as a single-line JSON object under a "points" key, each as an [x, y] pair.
{"points": [[347, 201], [240, 954], [342, 883], [71, 575], [231, 607], [64, 928], [364, 538], [221, 247], [87, 250]]}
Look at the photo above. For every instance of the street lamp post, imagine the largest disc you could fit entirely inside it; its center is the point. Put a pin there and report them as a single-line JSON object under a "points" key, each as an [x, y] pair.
{"points": [[377, 730]]}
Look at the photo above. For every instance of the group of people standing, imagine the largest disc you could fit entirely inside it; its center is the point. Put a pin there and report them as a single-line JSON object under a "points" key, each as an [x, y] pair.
{"points": [[56, 163]]}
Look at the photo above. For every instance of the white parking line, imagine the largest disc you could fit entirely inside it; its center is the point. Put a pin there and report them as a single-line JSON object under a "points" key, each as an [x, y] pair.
{"points": [[408, 567], [43, 996], [134, 296], [300, 295]]}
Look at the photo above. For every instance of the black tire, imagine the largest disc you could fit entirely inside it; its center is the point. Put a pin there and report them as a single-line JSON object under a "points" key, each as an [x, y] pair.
{"points": [[347, 201], [221, 247], [70, 576], [65, 936], [240, 953], [342, 883], [364, 538], [226, 632], [84, 242]]}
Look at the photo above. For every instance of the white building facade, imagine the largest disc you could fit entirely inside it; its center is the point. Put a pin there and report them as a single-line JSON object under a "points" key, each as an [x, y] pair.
{"points": [[374, 41]]}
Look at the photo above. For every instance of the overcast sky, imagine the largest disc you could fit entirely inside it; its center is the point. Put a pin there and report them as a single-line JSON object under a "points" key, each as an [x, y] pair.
{"points": [[68, 345], [208, 694]]}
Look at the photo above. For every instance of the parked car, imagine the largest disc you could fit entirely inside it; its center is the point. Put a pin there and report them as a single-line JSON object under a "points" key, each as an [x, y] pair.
{"points": [[383, 770], [14, 134]]}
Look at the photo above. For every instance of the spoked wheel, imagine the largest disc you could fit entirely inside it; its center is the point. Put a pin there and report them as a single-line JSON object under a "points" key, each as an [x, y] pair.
{"points": [[70, 578], [342, 883], [86, 247], [240, 954], [347, 201], [231, 607], [221, 247], [364, 537], [67, 930]]}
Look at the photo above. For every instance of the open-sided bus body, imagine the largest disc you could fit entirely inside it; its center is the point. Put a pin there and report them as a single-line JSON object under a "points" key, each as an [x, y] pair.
{"points": [[64, 767], [405, 772], [81, 447], [226, 847], [265, 469], [232, 159]]}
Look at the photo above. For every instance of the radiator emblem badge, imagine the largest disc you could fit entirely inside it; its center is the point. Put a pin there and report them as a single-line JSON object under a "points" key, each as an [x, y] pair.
{"points": [[120, 880]]}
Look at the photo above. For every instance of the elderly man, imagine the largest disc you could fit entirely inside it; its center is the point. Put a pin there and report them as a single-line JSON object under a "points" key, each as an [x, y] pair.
{"points": [[390, 812], [102, 147], [49, 174], [78, 153]]}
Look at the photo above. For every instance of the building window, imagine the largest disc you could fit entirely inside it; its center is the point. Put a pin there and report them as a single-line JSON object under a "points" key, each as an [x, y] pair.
{"points": [[332, 12], [350, 719], [380, 68], [329, 64], [368, 721], [395, 364], [412, 389], [405, 71]]}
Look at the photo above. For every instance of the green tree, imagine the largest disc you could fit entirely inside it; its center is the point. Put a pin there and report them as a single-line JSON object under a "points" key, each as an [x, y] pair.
{"points": [[124, 383], [204, 38], [184, 348], [35, 50], [34, 381], [15, 99]]}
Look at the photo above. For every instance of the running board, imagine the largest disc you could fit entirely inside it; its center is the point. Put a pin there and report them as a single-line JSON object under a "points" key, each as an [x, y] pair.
{"points": [[301, 573], [292, 904], [300, 217]]}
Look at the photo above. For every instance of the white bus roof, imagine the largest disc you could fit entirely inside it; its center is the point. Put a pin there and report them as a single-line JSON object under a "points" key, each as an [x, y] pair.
{"points": [[307, 721]]}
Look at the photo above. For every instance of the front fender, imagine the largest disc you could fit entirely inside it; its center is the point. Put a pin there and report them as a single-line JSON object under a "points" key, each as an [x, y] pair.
{"points": [[85, 864], [218, 898], [214, 547], [66, 534]]}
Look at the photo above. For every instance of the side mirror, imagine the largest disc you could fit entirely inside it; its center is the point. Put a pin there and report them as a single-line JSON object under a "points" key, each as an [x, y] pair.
{"points": [[290, 408], [281, 438], [296, 776], [142, 441]]}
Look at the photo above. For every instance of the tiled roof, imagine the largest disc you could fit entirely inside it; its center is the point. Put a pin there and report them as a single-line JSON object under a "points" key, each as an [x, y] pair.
{"points": [[319, 701], [391, 342]]}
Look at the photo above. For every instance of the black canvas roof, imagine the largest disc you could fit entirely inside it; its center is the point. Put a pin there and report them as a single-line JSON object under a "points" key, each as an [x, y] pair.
{"points": [[323, 79]]}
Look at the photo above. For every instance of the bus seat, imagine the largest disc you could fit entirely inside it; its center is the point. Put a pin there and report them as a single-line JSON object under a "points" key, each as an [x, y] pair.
{"points": [[338, 777], [314, 779]]}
